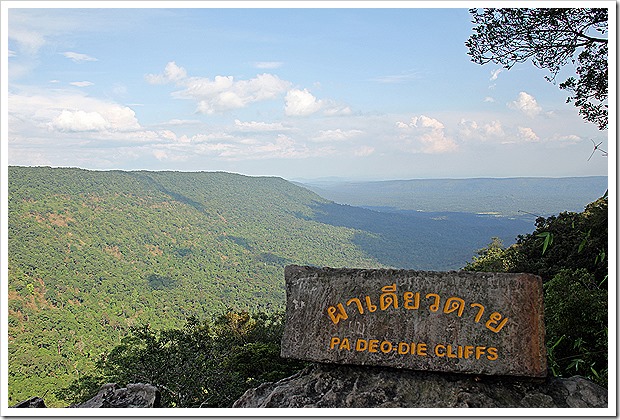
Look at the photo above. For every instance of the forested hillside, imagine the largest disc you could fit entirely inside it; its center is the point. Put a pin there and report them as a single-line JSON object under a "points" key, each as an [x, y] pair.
{"points": [[91, 253], [94, 253]]}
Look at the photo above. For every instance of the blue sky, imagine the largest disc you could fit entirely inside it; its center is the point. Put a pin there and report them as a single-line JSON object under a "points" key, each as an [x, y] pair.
{"points": [[368, 93]]}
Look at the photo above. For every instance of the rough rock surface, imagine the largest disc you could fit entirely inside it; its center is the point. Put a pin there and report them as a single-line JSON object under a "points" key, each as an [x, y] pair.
{"points": [[135, 395], [34, 402], [321, 385]]}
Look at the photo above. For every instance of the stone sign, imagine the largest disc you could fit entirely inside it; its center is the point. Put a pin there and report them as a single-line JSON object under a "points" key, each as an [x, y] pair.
{"points": [[459, 321]]}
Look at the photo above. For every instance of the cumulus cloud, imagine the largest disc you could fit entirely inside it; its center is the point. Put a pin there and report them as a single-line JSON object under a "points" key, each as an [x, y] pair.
{"points": [[224, 93], [336, 135], [301, 103], [526, 103], [527, 134], [111, 117], [77, 57], [79, 121], [481, 131], [68, 111], [426, 135], [172, 73]]}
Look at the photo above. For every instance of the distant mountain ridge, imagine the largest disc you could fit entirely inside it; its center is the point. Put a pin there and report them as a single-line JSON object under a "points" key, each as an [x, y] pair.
{"points": [[502, 196]]}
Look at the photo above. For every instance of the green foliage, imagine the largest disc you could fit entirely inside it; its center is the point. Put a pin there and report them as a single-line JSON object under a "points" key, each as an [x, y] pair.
{"points": [[492, 258], [579, 241], [569, 252], [93, 254], [200, 365], [551, 38], [576, 324]]}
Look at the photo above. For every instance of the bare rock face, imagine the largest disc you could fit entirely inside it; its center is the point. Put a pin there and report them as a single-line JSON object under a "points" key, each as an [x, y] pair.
{"points": [[135, 395], [322, 385]]}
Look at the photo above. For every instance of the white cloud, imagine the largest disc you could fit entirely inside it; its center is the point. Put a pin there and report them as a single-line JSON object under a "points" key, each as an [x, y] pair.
{"points": [[172, 73], [488, 99], [268, 64], [301, 103], [77, 57], [427, 135], [333, 110], [258, 126], [85, 83], [526, 103], [67, 111], [107, 118], [28, 41], [79, 121], [481, 131], [527, 134], [224, 93], [336, 135], [176, 121], [495, 74]]}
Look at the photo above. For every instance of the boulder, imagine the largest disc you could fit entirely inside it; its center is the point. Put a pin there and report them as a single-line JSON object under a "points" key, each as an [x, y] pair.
{"points": [[34, 402], [134, 396], [329, 385]]}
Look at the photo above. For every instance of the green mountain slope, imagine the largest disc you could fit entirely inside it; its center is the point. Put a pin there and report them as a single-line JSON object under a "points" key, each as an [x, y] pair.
{"points": [[92, 253]]}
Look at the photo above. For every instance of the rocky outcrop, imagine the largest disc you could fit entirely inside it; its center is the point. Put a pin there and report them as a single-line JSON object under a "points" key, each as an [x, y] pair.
{"points": [[321, 385], [135, 395], [34, 402], [110, 396]]}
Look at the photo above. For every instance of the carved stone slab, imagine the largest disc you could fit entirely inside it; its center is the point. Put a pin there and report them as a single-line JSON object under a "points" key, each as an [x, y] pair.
{"points": [[480, 323]]}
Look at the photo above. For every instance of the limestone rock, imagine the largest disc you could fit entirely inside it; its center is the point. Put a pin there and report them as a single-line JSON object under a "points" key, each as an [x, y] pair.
{"points": [[322, 385], [135, 395]]}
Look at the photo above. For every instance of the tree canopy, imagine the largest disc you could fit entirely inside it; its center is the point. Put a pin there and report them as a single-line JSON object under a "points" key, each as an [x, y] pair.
{"points": [[550, 38], [569, 252]]}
